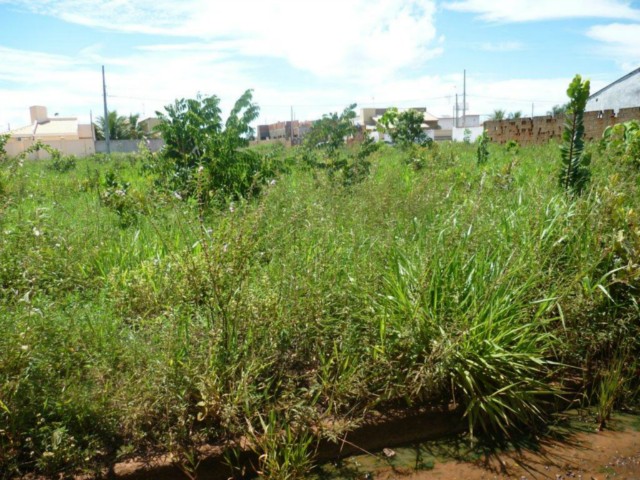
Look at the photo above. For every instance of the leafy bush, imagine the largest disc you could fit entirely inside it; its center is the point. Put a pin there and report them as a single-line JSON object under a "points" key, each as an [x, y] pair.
{"points": [[117, 197], [622, 142], [207, 158], [405, 128], [63, 163], [512, 146]]}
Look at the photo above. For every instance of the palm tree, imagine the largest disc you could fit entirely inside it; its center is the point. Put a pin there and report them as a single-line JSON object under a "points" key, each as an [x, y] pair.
{"points": [[135, 130], [118, 127], [497, 115], [515, 115], [557, 110]]}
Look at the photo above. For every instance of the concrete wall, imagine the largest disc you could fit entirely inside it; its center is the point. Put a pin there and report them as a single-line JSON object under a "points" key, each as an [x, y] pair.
{"points": [[539, 130], [128, 146], [623, 93], [79, 148], [458, 134]]}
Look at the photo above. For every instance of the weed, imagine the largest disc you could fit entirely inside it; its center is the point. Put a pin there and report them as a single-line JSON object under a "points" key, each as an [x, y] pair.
{"points": [[284, 452]]}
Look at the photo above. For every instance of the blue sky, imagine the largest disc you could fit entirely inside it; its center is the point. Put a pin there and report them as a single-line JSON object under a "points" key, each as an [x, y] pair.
{"points": [[314, 56]]}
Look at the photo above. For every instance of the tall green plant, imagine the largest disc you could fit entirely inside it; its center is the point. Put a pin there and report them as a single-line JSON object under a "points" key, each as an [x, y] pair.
{"points": [[482, 152], [575, 171]]}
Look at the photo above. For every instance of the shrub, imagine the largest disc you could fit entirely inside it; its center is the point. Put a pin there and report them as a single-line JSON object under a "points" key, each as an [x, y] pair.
{"points": [[207, 158], [622, 142], [117, 197], [405, 128], [512, 146]]}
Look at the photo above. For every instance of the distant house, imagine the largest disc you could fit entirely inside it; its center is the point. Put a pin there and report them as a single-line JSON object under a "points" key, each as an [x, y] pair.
{"points": [[623, 93], [148, 126], [295, 131], [62, 133]]}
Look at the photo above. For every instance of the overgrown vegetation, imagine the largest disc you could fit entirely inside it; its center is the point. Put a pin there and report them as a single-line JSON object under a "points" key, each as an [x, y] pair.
{"points": [[622, 142], [140, 320]]}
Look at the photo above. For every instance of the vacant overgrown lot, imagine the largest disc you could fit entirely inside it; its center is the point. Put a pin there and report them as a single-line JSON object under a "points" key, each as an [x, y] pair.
{"points": [[135, 322]]}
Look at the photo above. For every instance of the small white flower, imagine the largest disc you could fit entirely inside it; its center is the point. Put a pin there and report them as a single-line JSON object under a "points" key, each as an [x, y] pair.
{"points": [[24, 348], [272, 182], [177, 195], [36, 232]]}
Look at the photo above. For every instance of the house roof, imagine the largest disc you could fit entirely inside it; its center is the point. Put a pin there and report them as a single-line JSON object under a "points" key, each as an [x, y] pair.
{"points": [[52, 127], [28, 130], [621, 79]]}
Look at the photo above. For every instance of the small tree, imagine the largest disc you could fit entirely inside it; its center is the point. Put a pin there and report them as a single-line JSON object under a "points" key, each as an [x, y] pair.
{"points": [[206, 156], [515, 115], [575, 164], [134, 129], [405, 128], [323, 147], [332, 130]]}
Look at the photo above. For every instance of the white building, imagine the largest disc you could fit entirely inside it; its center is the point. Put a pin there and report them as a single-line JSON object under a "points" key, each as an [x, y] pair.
{"points": [[623, 93]]}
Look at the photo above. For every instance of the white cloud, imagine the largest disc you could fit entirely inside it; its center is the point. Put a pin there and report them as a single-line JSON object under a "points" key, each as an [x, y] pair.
{"points": [[501, 46], [140, 82], [347, 38], [534, 10], [620, 41]]}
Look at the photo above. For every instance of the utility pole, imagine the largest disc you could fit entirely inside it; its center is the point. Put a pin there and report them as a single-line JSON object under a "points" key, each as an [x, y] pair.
{"points": [[456, 122], [532, 110], [106, 113], [464, 99]]}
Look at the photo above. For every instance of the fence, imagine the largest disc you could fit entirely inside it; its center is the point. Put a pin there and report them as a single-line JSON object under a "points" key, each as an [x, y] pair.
{"points": [[539, 130], [128, 146]]}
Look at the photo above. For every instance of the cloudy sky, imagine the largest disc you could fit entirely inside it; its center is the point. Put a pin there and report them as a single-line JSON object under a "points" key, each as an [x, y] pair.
{"points": [[310, 55]]}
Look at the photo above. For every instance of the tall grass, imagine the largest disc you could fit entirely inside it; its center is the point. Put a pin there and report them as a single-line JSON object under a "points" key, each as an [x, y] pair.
{"points": [[481, 287]]}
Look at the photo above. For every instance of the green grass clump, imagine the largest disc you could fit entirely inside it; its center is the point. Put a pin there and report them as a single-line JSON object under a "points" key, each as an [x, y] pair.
{"points": [[137, 323]]}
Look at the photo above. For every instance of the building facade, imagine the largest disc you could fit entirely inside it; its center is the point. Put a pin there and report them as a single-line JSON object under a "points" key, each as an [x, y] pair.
{"points": [[623, 93]]}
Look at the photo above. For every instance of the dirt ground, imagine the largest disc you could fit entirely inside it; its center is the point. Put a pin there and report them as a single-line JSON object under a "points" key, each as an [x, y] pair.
{"points": [[588, 456]]}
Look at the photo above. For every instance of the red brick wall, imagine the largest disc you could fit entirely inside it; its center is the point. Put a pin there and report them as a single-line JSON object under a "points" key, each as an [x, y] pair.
{"points": [[539, 130]]}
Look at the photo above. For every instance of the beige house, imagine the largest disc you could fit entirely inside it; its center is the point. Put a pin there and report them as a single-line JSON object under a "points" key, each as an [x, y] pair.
{"points": [[62, 133]]}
